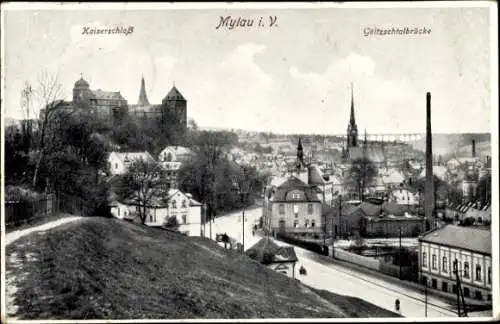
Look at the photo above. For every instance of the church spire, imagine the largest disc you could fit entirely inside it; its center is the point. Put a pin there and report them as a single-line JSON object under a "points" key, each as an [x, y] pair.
{"points": [[300, 154], [352, 121], [143, 98]]}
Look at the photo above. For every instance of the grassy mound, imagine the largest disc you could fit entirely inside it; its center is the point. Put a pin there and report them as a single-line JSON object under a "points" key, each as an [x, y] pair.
{"points": [[110, 269]]}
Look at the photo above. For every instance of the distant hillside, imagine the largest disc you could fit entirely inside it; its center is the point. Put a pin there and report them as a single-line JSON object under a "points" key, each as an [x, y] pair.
{"points": [[445, 144], [110, 269]]}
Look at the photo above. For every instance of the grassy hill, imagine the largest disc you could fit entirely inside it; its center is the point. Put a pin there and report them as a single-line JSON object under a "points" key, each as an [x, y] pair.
{"points": [[107, 268]]}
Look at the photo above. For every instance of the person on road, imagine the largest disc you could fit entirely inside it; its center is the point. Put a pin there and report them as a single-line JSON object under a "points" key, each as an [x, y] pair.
{"points": [[397, 304]]}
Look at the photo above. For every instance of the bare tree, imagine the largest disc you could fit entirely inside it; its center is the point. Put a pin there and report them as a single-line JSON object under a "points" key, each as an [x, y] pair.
{"points": [[143, 185], [47, 95]]}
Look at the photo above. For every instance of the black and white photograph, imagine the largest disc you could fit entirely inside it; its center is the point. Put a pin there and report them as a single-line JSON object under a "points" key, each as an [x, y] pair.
{"points": [[249, 161]]}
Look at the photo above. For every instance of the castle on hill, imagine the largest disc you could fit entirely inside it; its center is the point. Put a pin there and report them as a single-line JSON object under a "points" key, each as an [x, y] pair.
{"points": [[111, 106]]}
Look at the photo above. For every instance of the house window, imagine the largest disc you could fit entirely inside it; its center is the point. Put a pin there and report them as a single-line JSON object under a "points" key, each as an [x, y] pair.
{"points": [[454, 289], [118, 211], [184, 219], [424, 259], [151, 218], [466, 269], [306, 223], [313, 223], [295, 223], [444, 286], [310, 209], [116, 165], [445, 264], [174, 204], [489, 275], [434, 283], [479, 296], [282, 209], [466, 292], [434, 266], [184, 204], [478, 272]]}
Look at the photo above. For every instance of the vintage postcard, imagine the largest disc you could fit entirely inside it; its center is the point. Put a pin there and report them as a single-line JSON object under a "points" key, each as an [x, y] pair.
{"points": [[239, 161]]}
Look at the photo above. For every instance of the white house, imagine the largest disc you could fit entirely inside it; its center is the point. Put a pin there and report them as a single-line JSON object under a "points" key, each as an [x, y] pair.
{"points": [[175, 204], [404, 197], [118, 162], [439, 171], [175, 154], [470, 247]]}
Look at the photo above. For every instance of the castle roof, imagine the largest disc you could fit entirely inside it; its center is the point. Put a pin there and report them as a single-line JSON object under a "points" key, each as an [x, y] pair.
{"points": [[81, 83], [107, 95], [174, 94]]}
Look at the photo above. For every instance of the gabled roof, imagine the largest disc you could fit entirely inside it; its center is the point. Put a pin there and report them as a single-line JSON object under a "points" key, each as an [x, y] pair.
{"points": [[467, 238], [107, 95], [375, 154], [178, 150], [266, 251]]}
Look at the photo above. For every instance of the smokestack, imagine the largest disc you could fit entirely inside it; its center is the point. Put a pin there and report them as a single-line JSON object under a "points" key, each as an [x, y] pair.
{"points": [[473, 148], [429, 175]]}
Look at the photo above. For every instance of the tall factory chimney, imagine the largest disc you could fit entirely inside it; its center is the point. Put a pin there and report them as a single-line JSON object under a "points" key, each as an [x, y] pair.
{"points": [[429, 174], [473, 148]]}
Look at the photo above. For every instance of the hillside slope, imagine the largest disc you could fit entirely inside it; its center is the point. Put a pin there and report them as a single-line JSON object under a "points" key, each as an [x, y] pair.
{"points": [[107, 268]]}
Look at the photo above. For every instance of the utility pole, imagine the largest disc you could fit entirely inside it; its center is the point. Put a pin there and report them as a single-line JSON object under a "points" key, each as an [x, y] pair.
{"points": [[400, 251], [426, 299], [243, 230], [340, 215]]}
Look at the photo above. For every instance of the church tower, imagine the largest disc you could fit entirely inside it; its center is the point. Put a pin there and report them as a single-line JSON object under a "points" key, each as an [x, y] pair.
{"points": [[143, 98], [352, 128], [300, 155]]}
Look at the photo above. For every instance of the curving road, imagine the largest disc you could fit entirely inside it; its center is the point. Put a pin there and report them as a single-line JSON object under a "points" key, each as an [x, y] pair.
{"points": [[324, 273]]}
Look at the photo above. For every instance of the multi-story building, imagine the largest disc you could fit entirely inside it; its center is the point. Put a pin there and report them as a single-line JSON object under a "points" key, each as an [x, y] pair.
{"points": [[171, 159], [294, 207], [464, 249]]}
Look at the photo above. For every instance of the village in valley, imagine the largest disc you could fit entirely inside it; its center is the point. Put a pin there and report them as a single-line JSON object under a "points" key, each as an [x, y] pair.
{"points": [[120, 208]]}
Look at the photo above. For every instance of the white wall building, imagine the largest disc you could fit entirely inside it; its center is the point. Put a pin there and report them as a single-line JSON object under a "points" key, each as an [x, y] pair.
{"points": [[118, 162], [176, 204], [470, 247]]}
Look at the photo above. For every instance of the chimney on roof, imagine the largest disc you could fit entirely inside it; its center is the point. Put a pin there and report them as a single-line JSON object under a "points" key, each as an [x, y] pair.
{"points": [[429, 176], [473, 148]]}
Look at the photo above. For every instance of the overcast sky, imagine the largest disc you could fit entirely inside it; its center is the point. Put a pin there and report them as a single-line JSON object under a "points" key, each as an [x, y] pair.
{"points": [[294, 77]]}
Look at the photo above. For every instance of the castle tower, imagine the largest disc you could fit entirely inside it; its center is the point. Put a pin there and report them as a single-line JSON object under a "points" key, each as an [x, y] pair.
{"points": [[143, 98], [174, 110], [352, 128], [81, 90]]}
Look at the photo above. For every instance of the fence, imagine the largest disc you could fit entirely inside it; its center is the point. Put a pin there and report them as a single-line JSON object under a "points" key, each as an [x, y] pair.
{"points": [[405, 273], [21, 211]]}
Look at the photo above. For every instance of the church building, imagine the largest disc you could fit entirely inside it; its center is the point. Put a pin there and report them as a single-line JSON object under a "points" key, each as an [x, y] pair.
{"points": [[374, 152]]}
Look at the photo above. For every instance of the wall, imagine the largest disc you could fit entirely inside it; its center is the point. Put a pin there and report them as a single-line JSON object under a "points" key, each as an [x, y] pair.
{"points": [[356, 259]]}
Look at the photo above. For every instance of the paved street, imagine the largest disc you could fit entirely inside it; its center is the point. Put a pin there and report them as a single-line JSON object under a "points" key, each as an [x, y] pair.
{"points": [[332, 277]]}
